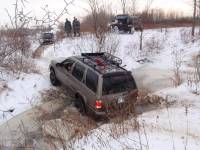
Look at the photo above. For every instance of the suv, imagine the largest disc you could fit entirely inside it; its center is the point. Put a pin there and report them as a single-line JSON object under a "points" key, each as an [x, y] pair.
{"points": [[100, 85], [125, 23], [47, 38]]}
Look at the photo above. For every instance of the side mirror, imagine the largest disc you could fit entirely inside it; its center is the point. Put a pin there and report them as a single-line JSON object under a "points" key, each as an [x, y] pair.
{"points": [[59, 65]]}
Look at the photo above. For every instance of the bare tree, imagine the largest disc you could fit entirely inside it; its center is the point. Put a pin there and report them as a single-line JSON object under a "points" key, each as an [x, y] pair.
{"points": [[141, 40], [97, 18], [20, 19], [194, 16], [178, 62], [123, 3], [51, 18], [147, 6], [199, 14], [94, 6], [15, 52], [133, 7], [144, 14]]}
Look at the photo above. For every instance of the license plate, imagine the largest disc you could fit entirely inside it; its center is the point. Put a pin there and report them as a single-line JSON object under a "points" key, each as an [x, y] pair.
{"points": [[120, 100]]}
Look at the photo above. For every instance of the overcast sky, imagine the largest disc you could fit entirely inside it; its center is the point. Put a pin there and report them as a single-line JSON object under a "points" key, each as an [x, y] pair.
{"points": [[80, 6]]}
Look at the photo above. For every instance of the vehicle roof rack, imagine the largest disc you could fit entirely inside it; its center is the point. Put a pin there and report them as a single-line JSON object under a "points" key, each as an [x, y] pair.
{"points": [[107, 58]]}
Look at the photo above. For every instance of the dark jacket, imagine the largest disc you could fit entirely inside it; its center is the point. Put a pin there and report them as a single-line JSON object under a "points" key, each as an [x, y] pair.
{"points": [[76, 25], [68, 26]]}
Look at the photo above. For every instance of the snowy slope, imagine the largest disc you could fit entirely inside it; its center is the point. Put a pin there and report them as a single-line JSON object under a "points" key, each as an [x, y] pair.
{"points": [[165, 128], [21, 94], [175, 127]]}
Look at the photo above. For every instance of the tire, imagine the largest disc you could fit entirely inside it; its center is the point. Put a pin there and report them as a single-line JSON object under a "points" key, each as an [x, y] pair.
{"points": [[131, 31], [116, 29], [80, 104], [53, 78]]}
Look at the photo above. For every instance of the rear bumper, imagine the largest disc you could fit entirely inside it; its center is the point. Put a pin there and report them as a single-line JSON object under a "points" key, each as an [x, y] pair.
{"points": [[102, 113], [48, 40], [115, 107], [95, 112], [114, 112]]}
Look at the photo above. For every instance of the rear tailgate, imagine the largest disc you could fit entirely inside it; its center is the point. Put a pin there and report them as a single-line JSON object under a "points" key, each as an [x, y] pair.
{"points": [[119, 89]]}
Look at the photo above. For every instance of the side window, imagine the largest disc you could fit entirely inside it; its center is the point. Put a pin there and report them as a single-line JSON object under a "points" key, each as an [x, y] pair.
{"points": [[78, 71], [68, 64], [92, 80]]}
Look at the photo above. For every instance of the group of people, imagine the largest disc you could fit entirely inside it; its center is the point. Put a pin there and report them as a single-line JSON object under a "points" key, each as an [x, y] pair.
{"points": [[75, 26]]}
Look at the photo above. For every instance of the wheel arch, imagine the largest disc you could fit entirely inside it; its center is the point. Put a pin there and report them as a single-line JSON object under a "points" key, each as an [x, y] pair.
{"points": [[83, 100], [51, 68], [78, 95]]}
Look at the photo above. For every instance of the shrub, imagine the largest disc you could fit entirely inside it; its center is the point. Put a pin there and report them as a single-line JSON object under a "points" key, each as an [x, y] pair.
{"points": [[15, 50]]}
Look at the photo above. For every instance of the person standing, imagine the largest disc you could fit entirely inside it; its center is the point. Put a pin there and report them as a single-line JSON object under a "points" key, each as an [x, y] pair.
{"points": [[76, 27], [68, 28]]}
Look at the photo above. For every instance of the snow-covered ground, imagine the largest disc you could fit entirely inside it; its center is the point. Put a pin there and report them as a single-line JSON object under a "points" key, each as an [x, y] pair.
{"points": [[21, 94], [166, 128]]}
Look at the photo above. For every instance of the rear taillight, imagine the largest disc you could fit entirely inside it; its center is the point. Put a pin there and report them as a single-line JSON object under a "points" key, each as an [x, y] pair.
{"points": [[135, 93], [98, 104]]}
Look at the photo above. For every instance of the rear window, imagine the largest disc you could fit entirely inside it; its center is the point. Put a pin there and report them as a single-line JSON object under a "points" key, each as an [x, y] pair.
{"points": [[78, 71], [92, 80], [48, 35], [118, 84], [122, 17]]}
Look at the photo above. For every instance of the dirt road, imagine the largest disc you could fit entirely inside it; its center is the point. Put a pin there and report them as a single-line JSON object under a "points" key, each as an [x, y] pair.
{"points": [[38, 52]]}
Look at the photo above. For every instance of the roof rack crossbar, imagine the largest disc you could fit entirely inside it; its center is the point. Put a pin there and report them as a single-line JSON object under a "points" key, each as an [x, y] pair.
{"points": [[113, 59], [91, 64], [92, 54], [105, 56]]}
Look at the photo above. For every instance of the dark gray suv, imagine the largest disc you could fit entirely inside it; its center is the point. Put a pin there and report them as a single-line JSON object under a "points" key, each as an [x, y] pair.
{"points": [[126, 23], [47, 38], [100, 85]]}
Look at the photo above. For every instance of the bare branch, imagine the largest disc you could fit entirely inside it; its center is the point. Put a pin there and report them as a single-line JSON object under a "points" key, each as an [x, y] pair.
{"points": [[123, 3], [10, 17]]}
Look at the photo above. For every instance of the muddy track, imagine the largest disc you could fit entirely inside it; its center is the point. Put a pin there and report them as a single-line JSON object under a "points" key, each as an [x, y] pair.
{"points": [[38, 52]]}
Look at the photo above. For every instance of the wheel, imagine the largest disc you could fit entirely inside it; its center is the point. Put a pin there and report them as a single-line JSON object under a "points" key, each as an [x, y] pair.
{"points": [[53, 79], [131, 31], [116, 29], [80, 105]]}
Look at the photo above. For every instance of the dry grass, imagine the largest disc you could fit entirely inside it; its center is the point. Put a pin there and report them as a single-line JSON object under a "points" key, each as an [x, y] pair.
{"points": [[4, 86], [61, 127], [60, 34], [15, 53], [154, 45], [193, 77], [186, 36], [166, 25], [53, 94], [178, 63]]}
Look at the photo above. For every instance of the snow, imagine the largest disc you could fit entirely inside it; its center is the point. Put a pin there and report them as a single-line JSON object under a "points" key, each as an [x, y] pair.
{"points": [[159, 129], [35, 43], [166, 128], [21, 94]]}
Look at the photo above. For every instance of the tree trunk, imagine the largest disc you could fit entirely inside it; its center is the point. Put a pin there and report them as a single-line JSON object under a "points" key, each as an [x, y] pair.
{"points": [[199, 15], [194, 17], [141, 40], [123, 6]]}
